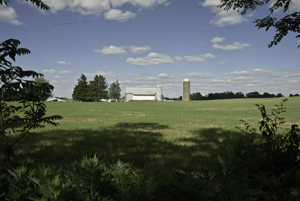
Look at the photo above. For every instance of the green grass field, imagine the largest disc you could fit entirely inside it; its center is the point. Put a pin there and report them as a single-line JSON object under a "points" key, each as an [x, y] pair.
{"points": [[168, 135]]}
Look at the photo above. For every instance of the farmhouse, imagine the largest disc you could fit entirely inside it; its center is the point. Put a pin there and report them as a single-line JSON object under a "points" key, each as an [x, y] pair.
{"points": [[143, 94]]}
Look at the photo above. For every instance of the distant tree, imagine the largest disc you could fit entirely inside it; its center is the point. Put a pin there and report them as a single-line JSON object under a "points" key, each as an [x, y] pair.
{"points": [[283, 26], [254, 94], [268, 95], [80, 90], [196, 96], [239, 95], [97, 89], [115, 90], [279, 95]]}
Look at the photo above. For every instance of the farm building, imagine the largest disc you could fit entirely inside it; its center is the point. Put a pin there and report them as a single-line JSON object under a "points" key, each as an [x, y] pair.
{"points": [[143, 94]]}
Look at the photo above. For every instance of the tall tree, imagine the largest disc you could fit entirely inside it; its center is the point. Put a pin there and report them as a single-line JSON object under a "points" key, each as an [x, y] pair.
{"points": [[80, 90], [285, 25], [97, 89], [30, 114], [115, 90]]}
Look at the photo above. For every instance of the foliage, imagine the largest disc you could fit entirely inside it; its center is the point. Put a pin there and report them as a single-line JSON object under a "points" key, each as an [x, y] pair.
{"points": [[196, 96], [97, 89], [42, 83], [38, 3], [93, 91], [80, 90], [231, 95], [266, 168], [30, 115], [115, 90], [288, 23]]}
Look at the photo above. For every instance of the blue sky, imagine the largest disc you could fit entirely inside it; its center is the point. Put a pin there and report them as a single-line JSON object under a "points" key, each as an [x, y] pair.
{"points": [[146, 43]]}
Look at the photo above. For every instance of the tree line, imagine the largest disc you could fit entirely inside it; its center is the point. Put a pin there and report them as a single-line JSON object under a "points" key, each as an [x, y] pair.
{"points": [[96, 89], [231, 95]]}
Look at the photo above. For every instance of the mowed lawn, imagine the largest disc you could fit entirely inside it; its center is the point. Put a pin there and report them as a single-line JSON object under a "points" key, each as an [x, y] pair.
{"points": [[166, 135]]}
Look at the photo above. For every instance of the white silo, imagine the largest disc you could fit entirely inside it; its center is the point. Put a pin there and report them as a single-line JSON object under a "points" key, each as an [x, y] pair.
{"points": [[159, 93], [186, 90]]}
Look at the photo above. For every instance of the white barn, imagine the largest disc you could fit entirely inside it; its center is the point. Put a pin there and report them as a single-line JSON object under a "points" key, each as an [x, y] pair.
{"points": [[143, 94]]}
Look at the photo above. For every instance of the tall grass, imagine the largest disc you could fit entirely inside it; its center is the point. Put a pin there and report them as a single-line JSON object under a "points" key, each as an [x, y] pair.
{"points": [[171, 135]]}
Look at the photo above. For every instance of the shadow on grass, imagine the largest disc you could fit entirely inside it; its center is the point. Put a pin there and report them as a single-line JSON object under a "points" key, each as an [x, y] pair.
{"points": [[141, 144]]}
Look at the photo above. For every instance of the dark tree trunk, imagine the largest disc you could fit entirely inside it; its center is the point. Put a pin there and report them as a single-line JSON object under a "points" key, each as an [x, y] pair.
{"points": [[9, 153]]}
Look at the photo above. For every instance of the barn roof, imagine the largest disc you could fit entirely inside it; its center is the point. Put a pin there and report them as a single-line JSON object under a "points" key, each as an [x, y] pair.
{"points": [[144, 91]]}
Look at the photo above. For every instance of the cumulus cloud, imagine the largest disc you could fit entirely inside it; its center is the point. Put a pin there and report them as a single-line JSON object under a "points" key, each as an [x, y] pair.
{"points": [[198, 75], [208, 56], [217, 40], [165, 76], [223, 18], [222, 62], [230, 17], [152, 59], [178, 58], [234, 46], [109, 74], [63, 63], [199, 58], [194, 59], [266, 73], [140, 3], [112, 50], [55, 72], [294, 6], [8, 15], [118, 15], [93, 7], [139, 50]]}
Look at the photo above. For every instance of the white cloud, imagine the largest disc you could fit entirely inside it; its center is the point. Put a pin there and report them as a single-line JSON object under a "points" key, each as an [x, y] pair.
{"points": [[165, 76], [112, 50], [230, 17], [222, 62], [63, 63], [52, 71], [208, 56], [89, 7], [140, 3], [222, 17], [194, 59], [152, 59], [178, 58], [56, 5], [118, 15], [56, 77], [94, 7], [217, 40], [9, 15], [139, 50], [294, 6], [266, 73], [109, 74], [198, 75], [234, 46]]}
